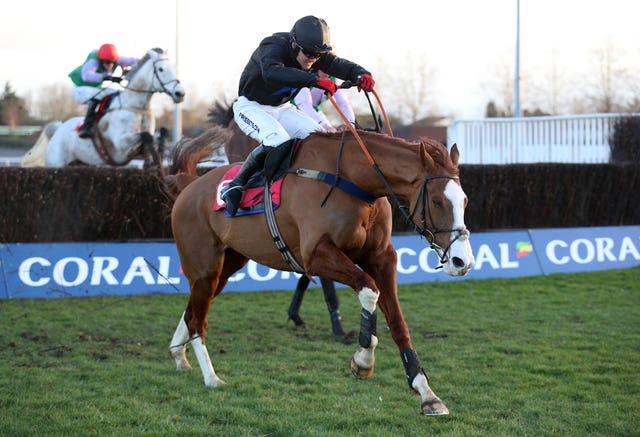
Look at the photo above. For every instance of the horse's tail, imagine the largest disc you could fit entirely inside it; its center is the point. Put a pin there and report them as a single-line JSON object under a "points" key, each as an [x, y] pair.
{"points": [[36, 155], [188, 152]]}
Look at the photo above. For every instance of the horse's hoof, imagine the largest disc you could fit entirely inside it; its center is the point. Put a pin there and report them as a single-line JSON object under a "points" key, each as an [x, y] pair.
{"points": [[337, 329], [184, 365], [181, 360], [434, 407], [360, 372], [297, 320], [214, 382]]}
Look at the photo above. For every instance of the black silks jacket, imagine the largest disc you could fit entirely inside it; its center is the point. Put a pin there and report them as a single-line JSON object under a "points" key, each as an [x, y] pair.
{"points": [[273, 76]]}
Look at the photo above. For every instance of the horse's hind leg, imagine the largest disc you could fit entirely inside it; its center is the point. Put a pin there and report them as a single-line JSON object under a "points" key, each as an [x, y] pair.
{"points": [[191, 329], [193, 324], [178, 346]]}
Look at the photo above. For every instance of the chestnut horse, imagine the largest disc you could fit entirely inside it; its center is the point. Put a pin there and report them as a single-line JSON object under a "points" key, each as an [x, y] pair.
{"points": [[330, 233]]}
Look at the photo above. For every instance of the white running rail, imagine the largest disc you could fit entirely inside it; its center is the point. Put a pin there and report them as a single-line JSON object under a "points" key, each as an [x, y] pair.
{"points": [[567, 139]]}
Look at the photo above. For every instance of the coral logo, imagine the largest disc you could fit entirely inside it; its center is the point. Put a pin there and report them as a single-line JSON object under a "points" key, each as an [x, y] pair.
{"points": [[523, 248]]}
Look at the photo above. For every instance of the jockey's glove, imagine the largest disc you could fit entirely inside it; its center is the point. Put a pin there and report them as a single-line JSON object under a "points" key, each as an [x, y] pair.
{"points": [[365, 82], [327, 84], [115, 79]]}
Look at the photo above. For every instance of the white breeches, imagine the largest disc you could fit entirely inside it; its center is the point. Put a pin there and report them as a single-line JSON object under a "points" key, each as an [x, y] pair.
{"points": [[82, 94], [272, 125]]}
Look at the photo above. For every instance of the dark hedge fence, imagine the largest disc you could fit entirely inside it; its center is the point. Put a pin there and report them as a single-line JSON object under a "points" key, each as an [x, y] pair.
{"points": [[124, 204], [81, 204]]}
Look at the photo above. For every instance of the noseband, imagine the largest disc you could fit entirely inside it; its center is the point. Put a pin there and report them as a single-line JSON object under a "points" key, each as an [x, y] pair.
{"points": [[425, 210]]}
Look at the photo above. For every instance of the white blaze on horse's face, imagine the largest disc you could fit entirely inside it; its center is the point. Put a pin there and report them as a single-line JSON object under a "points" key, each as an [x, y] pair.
{"points": [[460, 258]]}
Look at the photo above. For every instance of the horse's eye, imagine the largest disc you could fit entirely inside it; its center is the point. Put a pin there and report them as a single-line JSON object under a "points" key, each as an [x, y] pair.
{"points": [[161, 69], [438, 203]]}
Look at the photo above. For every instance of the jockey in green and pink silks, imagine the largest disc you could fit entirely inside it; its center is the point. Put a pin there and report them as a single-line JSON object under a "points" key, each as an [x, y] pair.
{"points": [[88, 80], [310, 101]]}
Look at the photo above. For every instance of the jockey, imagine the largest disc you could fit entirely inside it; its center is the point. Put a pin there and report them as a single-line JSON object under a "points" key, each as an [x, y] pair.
{"points": [[88, 78], [282, 64], [310, 101]]}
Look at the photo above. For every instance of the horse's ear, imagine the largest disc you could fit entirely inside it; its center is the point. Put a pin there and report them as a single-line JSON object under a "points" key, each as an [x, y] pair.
{"points": [[455, 155], [426, 158]]}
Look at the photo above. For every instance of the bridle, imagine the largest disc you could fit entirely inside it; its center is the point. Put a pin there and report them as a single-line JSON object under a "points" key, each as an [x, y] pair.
{"points": [[425, 211], [423, 199], [156, 75]]}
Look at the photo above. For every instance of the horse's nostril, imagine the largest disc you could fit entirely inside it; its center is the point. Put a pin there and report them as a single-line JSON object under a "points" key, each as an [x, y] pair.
{"points": [[457, 262]]}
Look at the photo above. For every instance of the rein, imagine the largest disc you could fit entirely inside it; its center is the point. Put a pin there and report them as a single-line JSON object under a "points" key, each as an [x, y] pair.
{"points": [[423, 230]]}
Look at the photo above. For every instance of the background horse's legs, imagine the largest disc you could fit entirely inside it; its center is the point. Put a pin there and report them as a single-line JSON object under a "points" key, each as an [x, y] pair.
{"points": [[330, 297], [296, 301], [333, 305]]}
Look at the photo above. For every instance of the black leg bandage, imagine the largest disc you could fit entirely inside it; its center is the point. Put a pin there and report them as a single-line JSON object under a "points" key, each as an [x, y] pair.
{"points": [[412, 365], [368, 323]]}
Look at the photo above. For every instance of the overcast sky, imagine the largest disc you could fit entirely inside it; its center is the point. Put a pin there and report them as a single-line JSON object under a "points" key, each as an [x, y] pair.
{"points": [[41, 41]]}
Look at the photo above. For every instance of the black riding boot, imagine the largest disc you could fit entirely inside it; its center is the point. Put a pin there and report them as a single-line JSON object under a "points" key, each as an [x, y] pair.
{"points": [[296, 301], [86, 131], [333, 303], [232, 195]]}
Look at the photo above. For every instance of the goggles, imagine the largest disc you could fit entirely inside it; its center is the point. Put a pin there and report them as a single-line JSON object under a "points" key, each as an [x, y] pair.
{"points": [[309, 54]]}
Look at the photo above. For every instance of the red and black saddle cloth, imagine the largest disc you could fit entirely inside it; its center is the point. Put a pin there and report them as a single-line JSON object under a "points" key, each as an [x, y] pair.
{"points": [[277, 162], [102, 109]]}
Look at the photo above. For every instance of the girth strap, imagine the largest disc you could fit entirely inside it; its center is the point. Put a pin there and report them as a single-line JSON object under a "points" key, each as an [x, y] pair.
{"points": [[275, 232], [102, 149], [336, 181]]}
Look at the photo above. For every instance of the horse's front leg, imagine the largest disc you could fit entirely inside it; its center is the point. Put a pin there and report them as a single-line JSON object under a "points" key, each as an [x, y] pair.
{"points": [[363, 359], [147, 148], [383, 270], [329, 262]]}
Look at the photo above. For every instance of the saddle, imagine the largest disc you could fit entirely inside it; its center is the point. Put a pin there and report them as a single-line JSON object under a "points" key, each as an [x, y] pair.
{"points": [[276, 165]]}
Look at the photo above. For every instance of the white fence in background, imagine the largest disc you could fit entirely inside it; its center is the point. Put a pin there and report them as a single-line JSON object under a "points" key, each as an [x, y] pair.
{"points": [[567, 139]]}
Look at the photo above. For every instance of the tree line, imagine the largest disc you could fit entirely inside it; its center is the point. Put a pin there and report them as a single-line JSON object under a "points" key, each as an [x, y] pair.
{"points": [[609, 86]]}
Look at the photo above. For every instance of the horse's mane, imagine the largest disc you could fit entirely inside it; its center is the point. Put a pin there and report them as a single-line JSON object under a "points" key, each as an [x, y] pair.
{"points": [[435, 149], [129, 75], [439, 153], [220, 113]]}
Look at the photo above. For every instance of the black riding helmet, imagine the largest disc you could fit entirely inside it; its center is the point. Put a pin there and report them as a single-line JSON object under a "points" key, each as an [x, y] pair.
{"points": [[311, 34]]}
